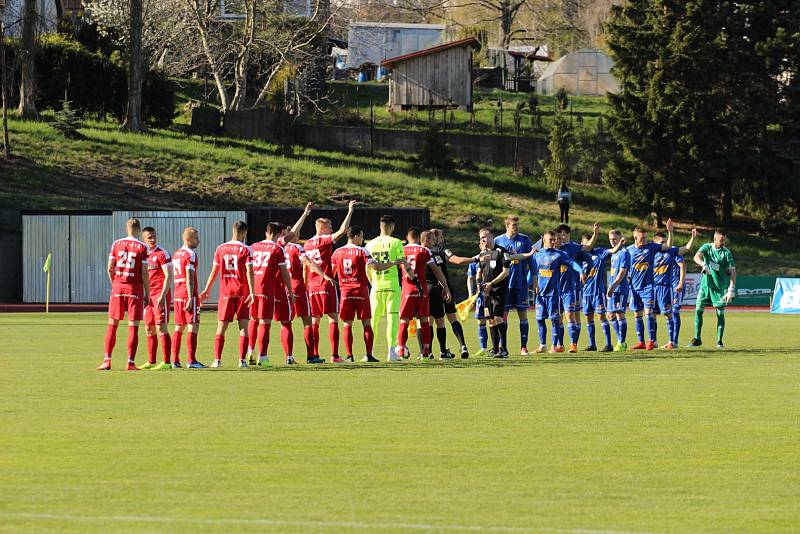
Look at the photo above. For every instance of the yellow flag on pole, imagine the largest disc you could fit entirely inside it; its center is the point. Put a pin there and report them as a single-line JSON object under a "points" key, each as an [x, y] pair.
{"points": [[463, 307], [46, 266]]}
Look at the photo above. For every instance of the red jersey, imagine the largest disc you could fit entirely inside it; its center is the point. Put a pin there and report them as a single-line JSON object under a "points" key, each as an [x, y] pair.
{"points": [[232, 258], [320, 250], [350, 265], [129, 255], [268, 257], [156, 260], [417, 257], [294, 256], [184, 263]]}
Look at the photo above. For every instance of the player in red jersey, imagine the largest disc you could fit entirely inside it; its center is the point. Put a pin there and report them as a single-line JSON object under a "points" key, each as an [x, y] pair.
{"points": [[187, 303], [414, 293], [156, 313], [350, 264], [130, 289], [233, 262], [322, 292], [273, 301]]}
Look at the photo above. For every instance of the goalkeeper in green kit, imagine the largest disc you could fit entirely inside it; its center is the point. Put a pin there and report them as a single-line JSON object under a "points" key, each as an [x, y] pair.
{"points": [[717, 285], [385, 293]]}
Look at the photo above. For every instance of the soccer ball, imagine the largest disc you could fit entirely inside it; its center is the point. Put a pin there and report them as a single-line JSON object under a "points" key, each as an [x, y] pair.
{"points": [[402, 351]]}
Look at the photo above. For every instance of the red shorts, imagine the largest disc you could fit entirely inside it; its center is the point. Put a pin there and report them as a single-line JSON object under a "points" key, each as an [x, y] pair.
{"points": [[155, 314], [182, 317], [414, 306], [355, 304], [302, 305], [262, 307], [282, 311], [232, 307], [126, 300], [324, 300]]}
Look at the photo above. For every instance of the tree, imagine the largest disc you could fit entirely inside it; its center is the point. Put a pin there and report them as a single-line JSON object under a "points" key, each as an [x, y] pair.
{"points": [[27, 51], [3, 88], [133, 118], [558, 169], [700, 101]]}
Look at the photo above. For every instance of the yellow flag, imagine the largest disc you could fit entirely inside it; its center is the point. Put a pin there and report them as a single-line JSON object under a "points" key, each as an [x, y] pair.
{"points": [[46, 267], [463, 308], [412, 327]]}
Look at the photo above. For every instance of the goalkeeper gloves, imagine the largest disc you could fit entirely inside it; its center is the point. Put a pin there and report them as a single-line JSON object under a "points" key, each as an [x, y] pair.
{"points": [[729, 295]]}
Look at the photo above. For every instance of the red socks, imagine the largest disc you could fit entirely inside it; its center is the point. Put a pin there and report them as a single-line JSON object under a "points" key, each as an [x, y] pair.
{"points": [[402, 334], [348, 339], [244, 342], [166, 347], [152, 348], [252, 334], [191, 346], [219, 344], [133, 342], [333, 336], [177, 337], [287, 338], [427, 338], [263, 338], [308, 336], [369, 339], [315, 328], [111, 340]]}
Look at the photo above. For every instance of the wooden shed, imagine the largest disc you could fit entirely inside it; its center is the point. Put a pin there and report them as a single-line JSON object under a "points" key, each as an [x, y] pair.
{"points": [[438, 77]]}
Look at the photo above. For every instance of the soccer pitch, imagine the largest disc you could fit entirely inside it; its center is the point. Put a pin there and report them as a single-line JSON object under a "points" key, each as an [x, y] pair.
{"points": [[685, 441]]}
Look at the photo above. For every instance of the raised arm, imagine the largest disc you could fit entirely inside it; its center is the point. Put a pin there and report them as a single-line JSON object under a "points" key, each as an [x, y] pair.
{"points": [[670, 229], [458, 260], [689, 244], [593, 240], [613, 250], [346, 223], [299, 224]]}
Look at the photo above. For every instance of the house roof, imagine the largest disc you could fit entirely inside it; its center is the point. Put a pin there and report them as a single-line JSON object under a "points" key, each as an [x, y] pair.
{"points": [[72, 5], [469, 41], [398, 25]]}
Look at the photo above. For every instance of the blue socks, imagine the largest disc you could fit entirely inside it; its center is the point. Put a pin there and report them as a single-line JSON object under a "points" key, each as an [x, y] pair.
{"points": [[640, 329], [558, 332], [670, 329], [523, 333], [676, 327], [623, 329], [606, 332], [483, 336], [590, 331], [542, 327], [652, 327]]}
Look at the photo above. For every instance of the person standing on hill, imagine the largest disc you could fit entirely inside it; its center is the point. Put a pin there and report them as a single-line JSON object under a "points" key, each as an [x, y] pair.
{"points": [[564, 198]]}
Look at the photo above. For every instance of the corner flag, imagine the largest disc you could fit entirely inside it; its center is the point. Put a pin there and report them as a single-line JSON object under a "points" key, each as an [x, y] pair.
{"points": [[46, 268], [463, 308]]}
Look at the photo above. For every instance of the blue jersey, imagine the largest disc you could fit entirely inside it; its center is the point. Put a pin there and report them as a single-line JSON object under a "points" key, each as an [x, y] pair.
{"points": [[519, 274], [620, 260], [595, 270], [663, 265], [642, 259], [547, 265], [472, 271], [676, 270], [571, 277]]}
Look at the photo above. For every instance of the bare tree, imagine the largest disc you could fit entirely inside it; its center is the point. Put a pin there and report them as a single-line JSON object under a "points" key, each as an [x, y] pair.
{"points": [[27, 51], [3, 89], [133, 118]]}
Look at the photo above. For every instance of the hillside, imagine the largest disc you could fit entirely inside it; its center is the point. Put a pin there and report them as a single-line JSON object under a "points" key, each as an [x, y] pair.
{"points": [[110, 169]]}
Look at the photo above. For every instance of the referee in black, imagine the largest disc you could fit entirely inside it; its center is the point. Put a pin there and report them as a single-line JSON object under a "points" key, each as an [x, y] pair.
{"points": [[493, 269]]}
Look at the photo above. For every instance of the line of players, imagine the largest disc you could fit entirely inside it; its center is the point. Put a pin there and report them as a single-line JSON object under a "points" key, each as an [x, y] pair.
{"points": [[255, 283]]}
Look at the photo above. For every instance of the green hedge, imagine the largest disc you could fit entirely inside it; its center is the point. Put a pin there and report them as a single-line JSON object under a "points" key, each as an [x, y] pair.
{"points": [[93, 82]]}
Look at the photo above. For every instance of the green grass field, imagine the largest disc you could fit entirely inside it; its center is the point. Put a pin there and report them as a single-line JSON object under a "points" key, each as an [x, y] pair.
{"points": [[686, 441]]}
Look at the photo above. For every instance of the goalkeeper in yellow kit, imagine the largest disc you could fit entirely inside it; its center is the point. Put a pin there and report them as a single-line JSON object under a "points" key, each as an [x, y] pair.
{"points": [[385, 292]]}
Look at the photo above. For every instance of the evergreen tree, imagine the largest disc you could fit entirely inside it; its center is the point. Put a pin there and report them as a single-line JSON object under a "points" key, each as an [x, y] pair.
{"points": [[561, 146]]}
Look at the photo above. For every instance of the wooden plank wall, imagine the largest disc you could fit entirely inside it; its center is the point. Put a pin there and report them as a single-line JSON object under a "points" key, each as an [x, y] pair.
{"points": [[441, 79]]}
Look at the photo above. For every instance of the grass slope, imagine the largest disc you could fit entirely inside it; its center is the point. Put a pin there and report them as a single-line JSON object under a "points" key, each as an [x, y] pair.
{"points": [[165, 169], [690, 441]]}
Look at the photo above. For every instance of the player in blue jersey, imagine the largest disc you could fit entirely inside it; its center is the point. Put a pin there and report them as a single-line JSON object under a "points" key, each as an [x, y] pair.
{"points": [[594, 291], [678, 292], [643, 255], [618, 290], [547, 264], [663, 292], [571, 283], [472, 288], [519, 279]]}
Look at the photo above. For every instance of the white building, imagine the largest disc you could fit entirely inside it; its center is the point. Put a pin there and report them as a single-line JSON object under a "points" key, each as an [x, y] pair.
{"points": [[585, 72], [373, 42]]}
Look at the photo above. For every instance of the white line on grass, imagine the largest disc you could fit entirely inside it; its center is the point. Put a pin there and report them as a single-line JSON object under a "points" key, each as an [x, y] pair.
{"points": [[300, 523]]}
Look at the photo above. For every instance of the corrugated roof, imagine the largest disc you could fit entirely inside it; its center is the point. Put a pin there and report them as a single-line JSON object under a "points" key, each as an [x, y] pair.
{"points": [[469, 41], [398, 25]]}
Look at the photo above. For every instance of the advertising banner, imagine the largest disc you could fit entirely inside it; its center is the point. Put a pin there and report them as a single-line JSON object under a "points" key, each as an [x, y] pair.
{"points": [[786, 298]]}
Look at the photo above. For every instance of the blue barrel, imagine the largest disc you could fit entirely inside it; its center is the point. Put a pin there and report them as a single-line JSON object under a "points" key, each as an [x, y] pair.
{"points": [[381, 73], [362, 77]]}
